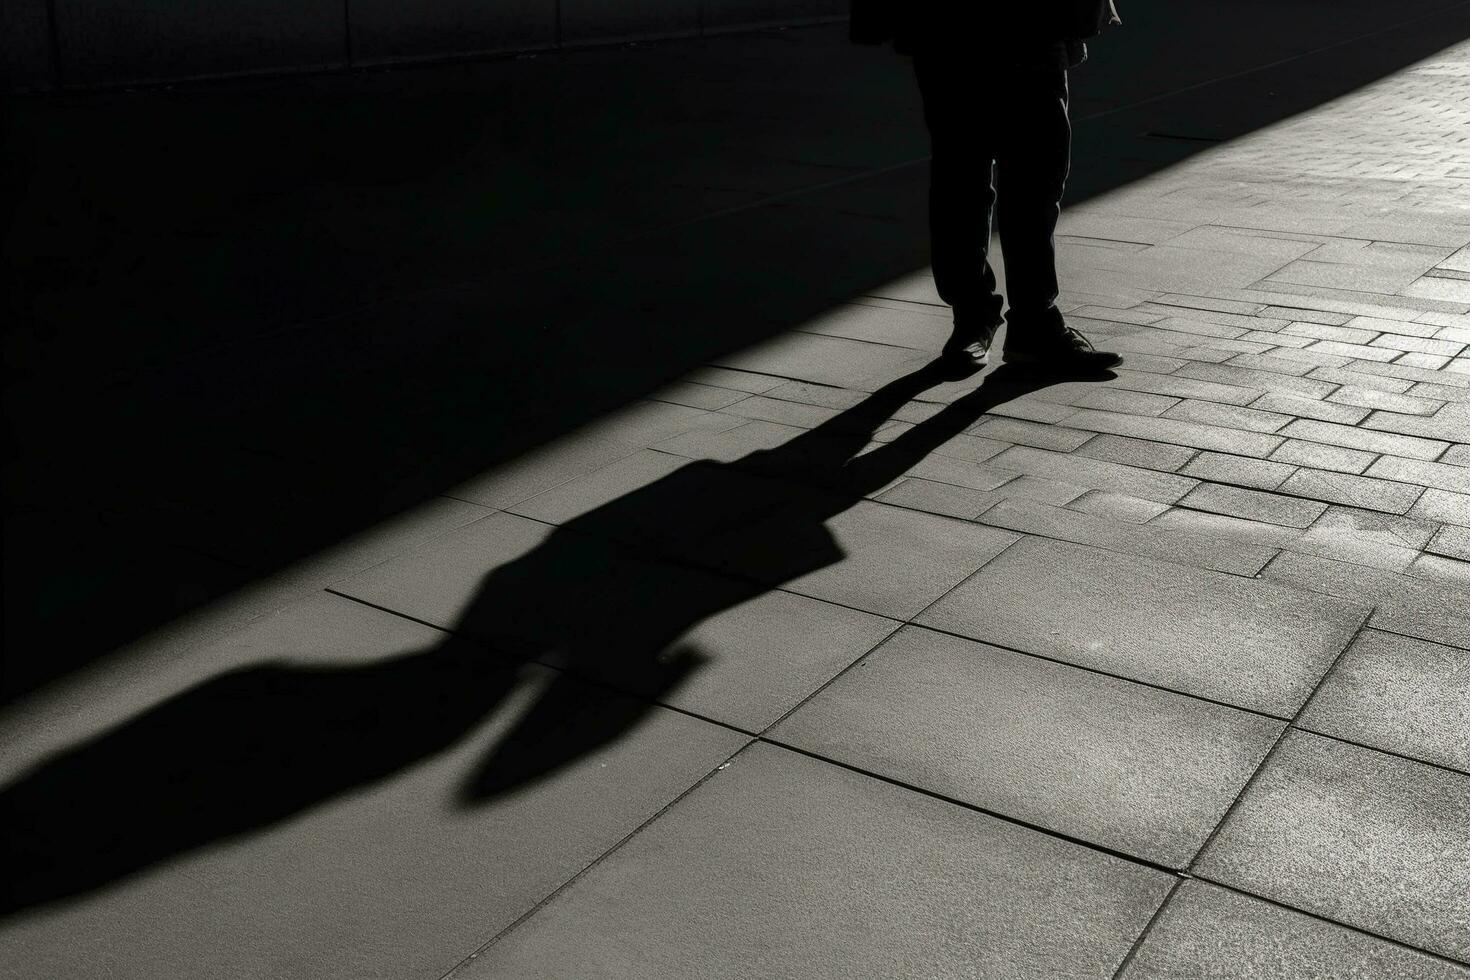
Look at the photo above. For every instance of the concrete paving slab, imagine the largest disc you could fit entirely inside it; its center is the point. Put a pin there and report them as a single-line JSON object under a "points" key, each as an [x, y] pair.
{"points": [[1211, 933], [781, 866], [1106, 761], [1357, 836], [1402, 695], [1245, 642]]}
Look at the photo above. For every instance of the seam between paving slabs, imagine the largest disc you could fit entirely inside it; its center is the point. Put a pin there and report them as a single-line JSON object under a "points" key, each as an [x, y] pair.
{"points": [[1147, 928], [592, 864], [1322, 918], [1280, 739]]}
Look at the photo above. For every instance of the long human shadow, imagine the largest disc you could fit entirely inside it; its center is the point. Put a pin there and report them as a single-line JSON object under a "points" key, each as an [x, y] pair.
{"points": [[606, 596], [230, 342]]}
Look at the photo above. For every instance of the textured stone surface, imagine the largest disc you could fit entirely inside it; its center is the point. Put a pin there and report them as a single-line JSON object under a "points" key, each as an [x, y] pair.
{"points": [[780, 866], [1254, 505], [1131, 768], [1404, 695], [1210, 933], [1247, 643], [1364, 838]]}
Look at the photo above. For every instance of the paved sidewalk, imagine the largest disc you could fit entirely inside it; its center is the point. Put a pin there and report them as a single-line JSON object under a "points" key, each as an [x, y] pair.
{"points": [[821, 664]]}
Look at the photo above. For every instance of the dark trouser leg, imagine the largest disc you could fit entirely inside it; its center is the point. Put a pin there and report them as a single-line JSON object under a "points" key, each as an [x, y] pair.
{"points": [[1032, 166], [961, 192]]}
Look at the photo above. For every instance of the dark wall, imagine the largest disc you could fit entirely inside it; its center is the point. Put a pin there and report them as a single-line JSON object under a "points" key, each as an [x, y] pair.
{"points": [[101, 42]]}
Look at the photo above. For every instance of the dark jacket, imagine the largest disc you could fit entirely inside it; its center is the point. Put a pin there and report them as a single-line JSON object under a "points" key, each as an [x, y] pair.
{"points": [[916, 23]]}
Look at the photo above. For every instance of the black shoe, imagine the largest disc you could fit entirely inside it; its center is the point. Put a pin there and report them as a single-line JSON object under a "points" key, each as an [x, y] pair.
{"points": [[970, 344], [1057, 348]]}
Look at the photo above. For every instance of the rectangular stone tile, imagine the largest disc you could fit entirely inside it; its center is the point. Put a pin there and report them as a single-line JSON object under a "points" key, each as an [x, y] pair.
{"points": [[970, 448], [1424, 345], [1443, 505], [910, 711], [1162, 456], [1354, 491], [1300, 316], [1356, 351], [1367, 839], [1122, 400], [1451, 422], [976, 474], [1431, 361], [1261, 381], [1404, 372], [1413, 607], [1311, 408], [1206, 932], [1388, 401], [1040, 490], [1442, 476], [1342, 376], [1057, 438], [1253, 505], [939, 498], [1118, 506], [1277, 339], [1195, 434], [1241, 641], [1323, 457], [1186, 387], [1244, 471], [781, 865], [1230, 416], [1200, 327], [1095, 473], [1306, 354], [1291, 361], [401, 805], [1322, 331], [1402, 695], [1366, 440], [1032, 409], [1238, 307], [1155, 364], [1452, 541]]}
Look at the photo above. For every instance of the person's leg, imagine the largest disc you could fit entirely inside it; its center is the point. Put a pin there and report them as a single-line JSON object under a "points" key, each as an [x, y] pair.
{"points": [[1034, 159], [961, 195], [1031, 170]]}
